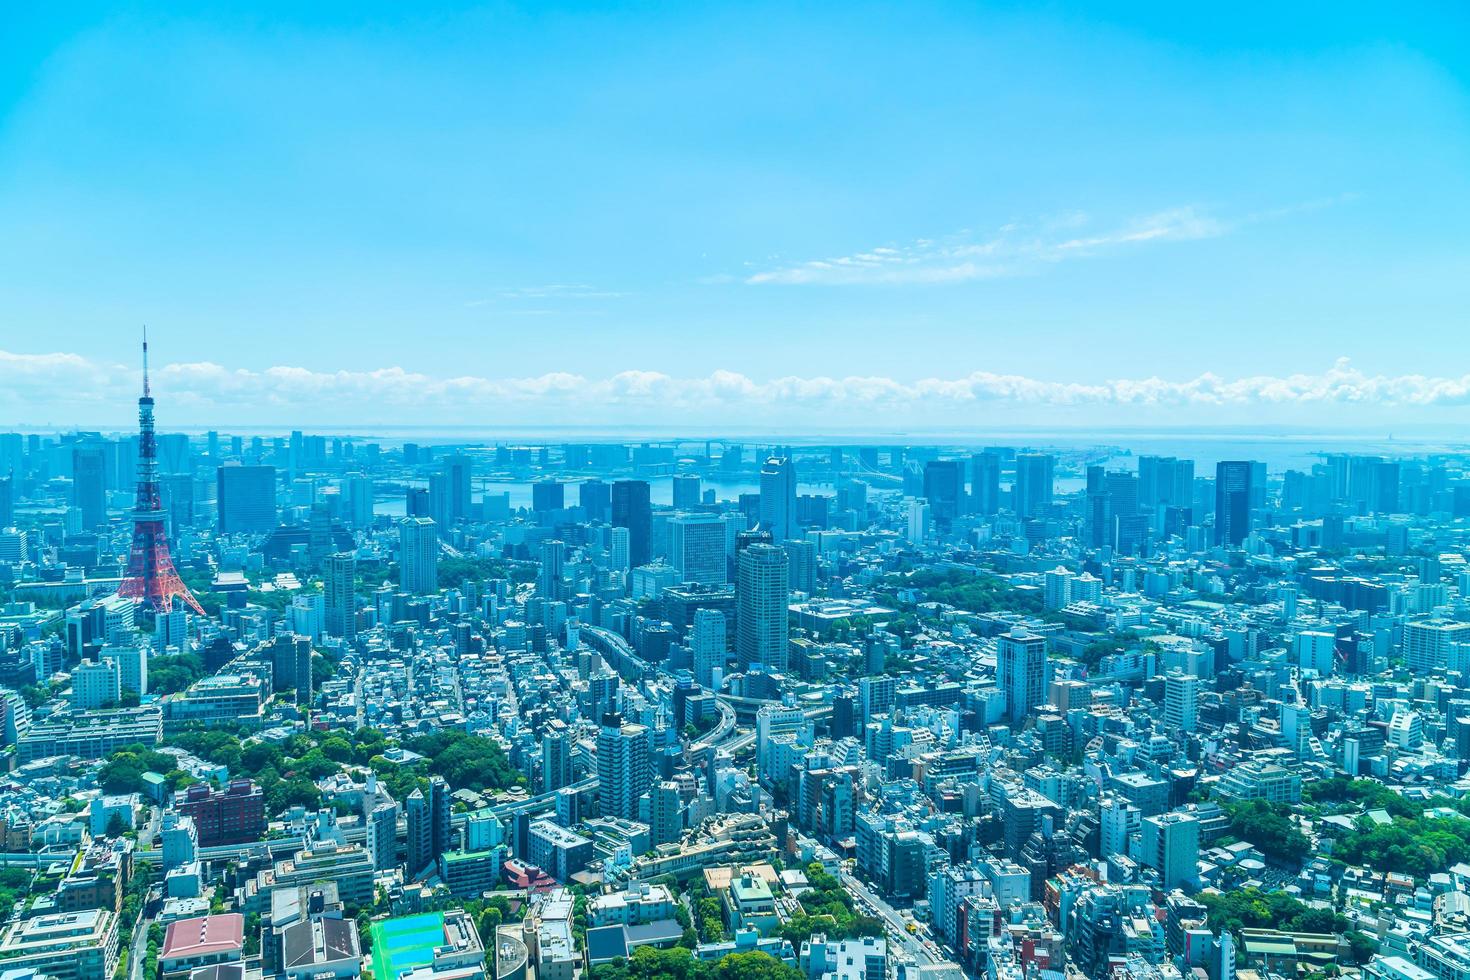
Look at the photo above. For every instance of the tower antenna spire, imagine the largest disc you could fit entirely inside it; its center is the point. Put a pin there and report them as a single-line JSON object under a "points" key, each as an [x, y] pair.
{"points": [[145, 360]]}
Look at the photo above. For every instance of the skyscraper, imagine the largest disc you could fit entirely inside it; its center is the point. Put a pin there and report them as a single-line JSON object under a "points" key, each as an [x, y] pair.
{"points": [[548, 495], [458, 483], [1020, 671], [556, 760], [624, 766], [1181, 702], [359, 499], [778, 497], [418, 555], [665, 813], [7, 502], [707, 643], [428, 827], [1031, 495], [943, 483], [697, 548], [247, 499], [632, 509], [985, 483], [89, 483], [340, 595], [1232, 502], [549, 583], [761, 600], [686, 491], [595, 497]]}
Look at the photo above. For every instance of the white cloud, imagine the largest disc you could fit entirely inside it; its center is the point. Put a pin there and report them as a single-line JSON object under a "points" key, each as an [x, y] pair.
{"points": [[1011, 250], [51, 384]]}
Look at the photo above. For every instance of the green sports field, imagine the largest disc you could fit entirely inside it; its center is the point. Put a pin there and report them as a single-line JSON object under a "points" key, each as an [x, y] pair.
{"points": [[406, 943]]}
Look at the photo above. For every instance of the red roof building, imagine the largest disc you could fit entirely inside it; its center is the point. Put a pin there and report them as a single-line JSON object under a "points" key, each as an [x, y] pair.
{"points": [[191, 943]]}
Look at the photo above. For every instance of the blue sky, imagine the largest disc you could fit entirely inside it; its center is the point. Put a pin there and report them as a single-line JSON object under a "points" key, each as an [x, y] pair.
{"points": [[930, 213]]}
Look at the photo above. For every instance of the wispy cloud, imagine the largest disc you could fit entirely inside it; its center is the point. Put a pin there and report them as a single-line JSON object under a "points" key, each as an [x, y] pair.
{"points": [[206, 389], [1013, 249], [549, 291]]}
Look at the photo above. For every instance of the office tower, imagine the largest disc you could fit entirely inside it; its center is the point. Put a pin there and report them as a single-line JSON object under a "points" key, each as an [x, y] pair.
{"points": [[550, 584], [458, 481], [428, 827], [801, 555], [624, 766], [170, 628], [1181, 702], [359, 499], [686, 491], [918, 528], [556, 760], [178, 499], [707, 639], [7, 502], [151, 577], [439, 498], [876, 695], [985, 483], [247, 499], [548, 495], [89, 484], [761, 600], [632, 509], [95, 684], [944, 482], [1171, 847], [418, 555], [595, 497], [1020, 671], [1165, 480], [416, 502], [665, 813], [617, 549], [1031, 494], [340, 593], [1232, 502], [778, 497], [1314, 651], [697, 548]]}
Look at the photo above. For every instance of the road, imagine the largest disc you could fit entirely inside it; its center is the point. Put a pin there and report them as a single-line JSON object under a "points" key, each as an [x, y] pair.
{"points": [[904, 945]]}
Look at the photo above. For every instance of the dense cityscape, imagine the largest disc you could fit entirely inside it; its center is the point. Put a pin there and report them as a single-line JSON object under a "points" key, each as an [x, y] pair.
{"points": [[309, 706]]}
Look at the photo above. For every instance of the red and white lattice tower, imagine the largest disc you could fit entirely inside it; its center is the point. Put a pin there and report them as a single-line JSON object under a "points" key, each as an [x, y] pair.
{"points": [[151, 577]]}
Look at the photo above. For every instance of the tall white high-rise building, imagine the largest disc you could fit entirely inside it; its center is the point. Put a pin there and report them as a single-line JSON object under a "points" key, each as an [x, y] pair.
{"points": [[1020, 671], [1314, 651], [617, 547], [340, 595], [761, 607], [359, 499], [707, 643], [418, 555], [1181, 702], [624, 766], [778, 498]]}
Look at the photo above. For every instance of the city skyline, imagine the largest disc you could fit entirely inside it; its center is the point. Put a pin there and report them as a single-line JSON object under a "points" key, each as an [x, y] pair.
{"points": [[1051, 217]]}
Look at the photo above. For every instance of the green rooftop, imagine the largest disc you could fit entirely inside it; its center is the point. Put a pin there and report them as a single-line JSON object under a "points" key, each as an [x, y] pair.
{"points": [[404, 944]]}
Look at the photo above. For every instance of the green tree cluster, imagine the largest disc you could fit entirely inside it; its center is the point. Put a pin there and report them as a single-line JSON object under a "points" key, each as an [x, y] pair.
{"points": [[972, 593], [123, 771], [1268, 827], [678, 963], [828, 908], [466, 761], [171, 673]]}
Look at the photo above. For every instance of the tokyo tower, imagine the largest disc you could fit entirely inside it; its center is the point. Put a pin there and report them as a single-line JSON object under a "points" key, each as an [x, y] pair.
{"points": [[151, 576]]}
